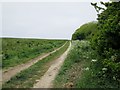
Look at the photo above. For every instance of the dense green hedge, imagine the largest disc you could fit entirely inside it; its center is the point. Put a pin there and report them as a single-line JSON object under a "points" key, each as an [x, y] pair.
{"points": [[86, 31], [107, 41]]}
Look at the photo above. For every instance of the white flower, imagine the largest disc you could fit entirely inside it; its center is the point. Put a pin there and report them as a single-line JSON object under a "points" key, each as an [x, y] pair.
{"points": [[87, 57], [104, 69], [114, 78], [93, 60], [86, 69]]}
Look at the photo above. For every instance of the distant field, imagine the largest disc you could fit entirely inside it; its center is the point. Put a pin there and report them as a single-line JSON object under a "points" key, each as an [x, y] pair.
{"points": [[17, 51]]}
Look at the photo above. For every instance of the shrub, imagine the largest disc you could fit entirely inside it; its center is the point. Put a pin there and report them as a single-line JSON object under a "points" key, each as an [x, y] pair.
{"points": [[107, 40], [86, 31]]}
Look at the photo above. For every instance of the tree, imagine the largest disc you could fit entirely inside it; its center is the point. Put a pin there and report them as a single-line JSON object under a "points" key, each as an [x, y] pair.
{"points": [[107, 40], [86, 31]]}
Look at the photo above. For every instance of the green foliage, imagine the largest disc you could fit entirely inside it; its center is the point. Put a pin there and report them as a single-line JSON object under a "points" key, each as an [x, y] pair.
{"points": [[107, 40], [71, 70], [18, 51], [27, 78], [86, 31], [83, 69]]}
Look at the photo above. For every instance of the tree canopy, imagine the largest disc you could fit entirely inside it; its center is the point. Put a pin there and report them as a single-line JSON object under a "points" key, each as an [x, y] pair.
{"points": [[86, 31], [107, 40]]}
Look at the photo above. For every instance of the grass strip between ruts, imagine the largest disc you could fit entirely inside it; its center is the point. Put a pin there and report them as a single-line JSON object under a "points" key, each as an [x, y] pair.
{"points": [[27, 78]]}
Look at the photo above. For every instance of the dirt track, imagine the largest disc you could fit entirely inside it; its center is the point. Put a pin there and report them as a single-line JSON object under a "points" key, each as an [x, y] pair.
{"points": [[6, 75], [46, 81]]}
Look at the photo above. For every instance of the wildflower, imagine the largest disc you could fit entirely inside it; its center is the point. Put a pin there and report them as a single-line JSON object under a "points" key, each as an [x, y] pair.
{"points": [[87, 57], [93, 60], [104, 69], [114, 78], [86, 69]]}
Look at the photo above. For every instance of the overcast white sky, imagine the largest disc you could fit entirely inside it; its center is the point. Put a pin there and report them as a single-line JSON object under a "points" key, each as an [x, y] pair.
{"points": [[56, 20]]}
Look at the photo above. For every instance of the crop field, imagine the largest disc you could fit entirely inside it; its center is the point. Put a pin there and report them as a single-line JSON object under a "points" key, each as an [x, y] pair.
{"points": [[17, 51]]}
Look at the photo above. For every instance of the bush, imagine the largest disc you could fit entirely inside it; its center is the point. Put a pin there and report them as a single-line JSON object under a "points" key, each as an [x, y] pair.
{"points": [[107, 40], [86, 31]]}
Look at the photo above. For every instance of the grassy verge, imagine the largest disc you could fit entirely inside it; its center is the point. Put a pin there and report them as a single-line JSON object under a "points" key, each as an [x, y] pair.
{"points": [[82, 69], [17, 51], [28, 77], [71, 69]]}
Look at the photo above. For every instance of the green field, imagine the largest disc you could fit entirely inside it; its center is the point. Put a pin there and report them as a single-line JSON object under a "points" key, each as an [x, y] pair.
{"points": [[17, 51], [28, 77]]}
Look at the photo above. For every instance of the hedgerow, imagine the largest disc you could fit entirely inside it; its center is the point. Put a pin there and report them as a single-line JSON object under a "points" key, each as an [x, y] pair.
{"points": [[107, 41], [86, 31]]}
